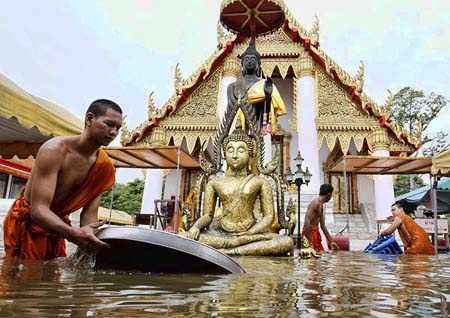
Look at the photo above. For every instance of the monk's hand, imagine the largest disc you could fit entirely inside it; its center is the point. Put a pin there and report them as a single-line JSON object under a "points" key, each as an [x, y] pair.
{"points": [[85, 237], [334, 246]]}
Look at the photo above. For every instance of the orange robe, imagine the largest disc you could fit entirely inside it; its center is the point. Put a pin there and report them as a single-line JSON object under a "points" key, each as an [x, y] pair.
{"points": [[27, 240], [316, 239], [420, 243]]}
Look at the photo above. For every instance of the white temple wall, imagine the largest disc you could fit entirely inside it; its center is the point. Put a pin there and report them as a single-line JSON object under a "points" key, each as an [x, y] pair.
{"points": [[366, 190], [171, 184], [152, 189], [324, 153]]}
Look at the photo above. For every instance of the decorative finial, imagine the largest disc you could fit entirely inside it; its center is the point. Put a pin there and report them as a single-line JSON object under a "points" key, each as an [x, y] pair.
{"points": [[315, 30], [151, 105], [359, 78], [124, 130], [389, 101], [178, 77], [419, 128], [220, 33]]}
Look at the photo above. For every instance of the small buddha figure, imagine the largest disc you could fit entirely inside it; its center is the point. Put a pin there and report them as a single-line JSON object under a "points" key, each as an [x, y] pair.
{"points": [[262, 93], [245, 223]]}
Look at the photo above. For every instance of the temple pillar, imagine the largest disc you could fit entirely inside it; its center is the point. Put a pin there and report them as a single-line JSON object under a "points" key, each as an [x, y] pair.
{"points": [[153, 177], [383, 184], [230, 71], [306, 123], [152, 189]]}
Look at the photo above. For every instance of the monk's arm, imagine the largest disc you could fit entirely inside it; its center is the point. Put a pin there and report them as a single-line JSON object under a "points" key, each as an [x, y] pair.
{"points": [[331, 244], [45, 175], [310, 214], [89, 214], [395, 225]]}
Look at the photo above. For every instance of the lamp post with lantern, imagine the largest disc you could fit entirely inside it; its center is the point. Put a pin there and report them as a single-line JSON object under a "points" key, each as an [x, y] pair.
{"points": [[299, 178]]}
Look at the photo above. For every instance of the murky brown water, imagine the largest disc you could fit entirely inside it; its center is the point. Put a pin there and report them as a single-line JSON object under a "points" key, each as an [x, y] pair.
{"points": [[345, 284]]}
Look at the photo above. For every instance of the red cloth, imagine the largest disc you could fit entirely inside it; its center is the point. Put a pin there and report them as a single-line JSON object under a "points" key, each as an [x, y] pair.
{"points": [[315, 238], [420, 243], [27, 240]]}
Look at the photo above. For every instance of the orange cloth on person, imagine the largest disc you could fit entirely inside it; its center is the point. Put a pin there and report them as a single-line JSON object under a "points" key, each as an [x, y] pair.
{"points": [[28, 240], [316, 239], [420, 243]]}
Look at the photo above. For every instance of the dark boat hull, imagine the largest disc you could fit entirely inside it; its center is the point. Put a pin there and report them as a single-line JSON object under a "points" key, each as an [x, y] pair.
{"points": [[148, 250]]}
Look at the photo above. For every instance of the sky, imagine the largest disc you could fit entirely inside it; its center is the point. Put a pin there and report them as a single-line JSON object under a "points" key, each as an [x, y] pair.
{"points": [[72, 52]]}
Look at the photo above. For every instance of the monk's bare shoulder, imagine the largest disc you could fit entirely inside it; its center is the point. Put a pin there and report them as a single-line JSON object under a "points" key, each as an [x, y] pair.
{"points": [[314, 205], [56, 146]]}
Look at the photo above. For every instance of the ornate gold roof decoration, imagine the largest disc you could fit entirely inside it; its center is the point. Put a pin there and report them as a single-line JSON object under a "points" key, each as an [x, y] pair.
{"points": [[359, 77], [151, 106], [124, 130], [382, 112], [293, 24], [314, 33], [222, 34], [419, 130], [282, 49], [178, 78]]}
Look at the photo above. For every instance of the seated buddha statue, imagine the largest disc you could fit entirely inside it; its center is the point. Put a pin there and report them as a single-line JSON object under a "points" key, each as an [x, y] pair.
{"points": [[247, 213]]}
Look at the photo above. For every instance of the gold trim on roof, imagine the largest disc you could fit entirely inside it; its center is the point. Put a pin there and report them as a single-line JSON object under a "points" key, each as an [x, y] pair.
{"points": [[281, 52]]}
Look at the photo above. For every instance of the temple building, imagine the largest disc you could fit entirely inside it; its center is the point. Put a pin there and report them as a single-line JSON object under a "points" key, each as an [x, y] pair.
{"points": [[328, 115]]}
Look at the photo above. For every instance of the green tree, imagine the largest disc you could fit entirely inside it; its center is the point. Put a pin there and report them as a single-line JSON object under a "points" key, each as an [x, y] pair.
{"points": [[126, 197], [410, 107], [402, 184]]}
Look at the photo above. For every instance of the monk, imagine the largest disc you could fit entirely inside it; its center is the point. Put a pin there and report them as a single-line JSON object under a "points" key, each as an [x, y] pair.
{"points": [[314, 216], [69, 173], [414, 238]]}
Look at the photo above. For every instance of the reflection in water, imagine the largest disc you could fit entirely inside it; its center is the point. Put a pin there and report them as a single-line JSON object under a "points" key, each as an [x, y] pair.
{"points": [[343, 284]]}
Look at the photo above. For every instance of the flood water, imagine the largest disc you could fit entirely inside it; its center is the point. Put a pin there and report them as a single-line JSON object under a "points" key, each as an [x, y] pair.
{"points": [[343, 284]]}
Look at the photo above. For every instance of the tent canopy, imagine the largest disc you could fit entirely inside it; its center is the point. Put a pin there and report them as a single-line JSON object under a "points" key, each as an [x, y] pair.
{"points": [[422, 196], [117, 216], [153, 157], [441, 163], [27, 121], [381, 165]]}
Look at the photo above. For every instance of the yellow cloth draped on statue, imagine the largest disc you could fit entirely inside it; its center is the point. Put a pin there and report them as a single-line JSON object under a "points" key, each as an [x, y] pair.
{"points": [[256, 95]]}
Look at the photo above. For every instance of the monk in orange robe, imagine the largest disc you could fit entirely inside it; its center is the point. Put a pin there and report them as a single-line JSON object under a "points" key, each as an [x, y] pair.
{"points": [[314, 216], [414, 238], [69, 173], [315, 238]]}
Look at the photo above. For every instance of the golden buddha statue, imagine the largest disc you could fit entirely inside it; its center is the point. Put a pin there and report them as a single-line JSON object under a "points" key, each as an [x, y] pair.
{"points": [[247, 216]]}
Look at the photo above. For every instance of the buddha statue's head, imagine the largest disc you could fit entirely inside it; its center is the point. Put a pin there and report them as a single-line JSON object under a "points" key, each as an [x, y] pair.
{"points": [[251, 60], [238, 149]]}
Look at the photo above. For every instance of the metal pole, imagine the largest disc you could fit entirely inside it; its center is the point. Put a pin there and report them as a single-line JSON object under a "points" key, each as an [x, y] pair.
{"points": [[111, 203], [346, 198], [178, 192], [299, 234], [434, 202]]}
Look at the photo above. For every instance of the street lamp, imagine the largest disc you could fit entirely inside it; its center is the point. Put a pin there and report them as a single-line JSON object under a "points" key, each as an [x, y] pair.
{"points": [[300, 177]]}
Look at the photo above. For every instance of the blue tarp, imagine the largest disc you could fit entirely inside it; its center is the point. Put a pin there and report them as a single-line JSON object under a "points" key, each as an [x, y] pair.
{"points": [[422, 196]]}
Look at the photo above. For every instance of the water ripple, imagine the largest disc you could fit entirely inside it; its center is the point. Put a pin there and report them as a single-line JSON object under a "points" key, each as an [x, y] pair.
{"points": [[344, 284]]}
